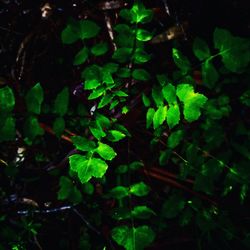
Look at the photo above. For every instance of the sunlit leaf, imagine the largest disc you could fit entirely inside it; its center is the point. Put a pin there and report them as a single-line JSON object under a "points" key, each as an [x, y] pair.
{"points": [[87, 168], [201, 49], [91, 84], [82, 143], [193, 102], [159, 116], [115, 135], [149, 117], [135, 238], [169, 93], [173, 115], [139, 189], [106, 99], [143, 35], [99, 49], [34, 99], [105, 151], [140, 14], [97, 132], [62, 102], [175, 138], [81, 56], [7, 100], [96, 93]]}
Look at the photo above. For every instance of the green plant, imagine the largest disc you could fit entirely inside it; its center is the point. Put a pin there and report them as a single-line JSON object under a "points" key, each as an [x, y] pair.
{"points": [[190, 133]]}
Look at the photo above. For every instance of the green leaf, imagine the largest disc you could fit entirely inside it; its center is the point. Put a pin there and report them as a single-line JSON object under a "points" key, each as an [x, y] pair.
{"points": [[62, 102], [124, 72], [82, 143], [96, 93], [235, 51], [157, 96], [32, 128], [98, 133], [159, 116], [8, 129], [141, 56], [111, 67], [164, 157], [115, 135], [181, 61], [58, 126], [173, 115], [87, 168], [146, 100], [122, 55], [140, 75], [149, 117], [105, 151], [173, 206], [243, 192], [71, 32], [91, 84], [139, 189], [135, 165], [88, 29], [105, 101], [92, 72], [121, 93], [7, 100], [209, 74], [245, 98], [126, 14], [175, 138], [140, 14], [121, 169], [162, 79], [88, 188], [102, 121], [99, 49], [136, 238], [201, 49], [81, 56], [169, 93], [193, 102], [142, 212], [68, 191], [143, 35], [119, 192], [34, 99]]}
